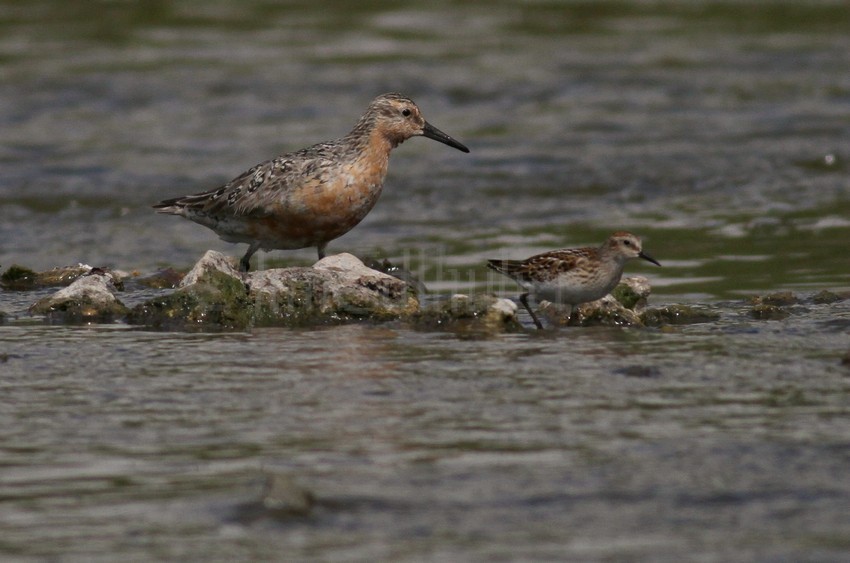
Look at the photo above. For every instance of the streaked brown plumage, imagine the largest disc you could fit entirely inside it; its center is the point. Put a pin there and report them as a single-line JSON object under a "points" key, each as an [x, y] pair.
{"points": [[573, 275]]}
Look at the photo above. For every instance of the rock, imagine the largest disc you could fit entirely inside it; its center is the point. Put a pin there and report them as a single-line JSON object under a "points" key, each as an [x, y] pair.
{"points": [[826, 297], [281, 499], [338, 287], [678, 315], [282, 495], [91, 298], [604, 312], [211, 261], [482, 311], [633, 293], [639, 371], [770, 306], [403, 274], [768, 312], [18, 278], [168, 278], [620, 308], [212, 296], [778, 299]]}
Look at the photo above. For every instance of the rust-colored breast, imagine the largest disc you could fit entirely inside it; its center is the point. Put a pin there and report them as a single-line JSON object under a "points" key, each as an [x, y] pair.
{"points": [[323, 206]]}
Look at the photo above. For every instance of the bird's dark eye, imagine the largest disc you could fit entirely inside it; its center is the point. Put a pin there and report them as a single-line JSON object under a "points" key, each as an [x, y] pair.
{"points": [[405, 112], [627, 242]]}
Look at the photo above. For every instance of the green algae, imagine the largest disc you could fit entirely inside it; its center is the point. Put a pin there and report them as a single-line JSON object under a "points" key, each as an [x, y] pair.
{"points": [[678, 315], [18, 278], [217, 302]]}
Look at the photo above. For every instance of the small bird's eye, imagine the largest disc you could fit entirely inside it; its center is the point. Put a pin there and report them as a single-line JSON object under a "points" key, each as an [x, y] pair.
{"points": [[627, 242], [405, 112]]}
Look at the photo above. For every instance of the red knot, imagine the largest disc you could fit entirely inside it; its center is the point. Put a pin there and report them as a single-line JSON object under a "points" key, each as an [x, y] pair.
{"points": [[572, 276], [311, 196]]}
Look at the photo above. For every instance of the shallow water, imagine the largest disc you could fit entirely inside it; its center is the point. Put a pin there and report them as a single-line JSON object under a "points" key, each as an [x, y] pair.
{"points": [[716, 131]]}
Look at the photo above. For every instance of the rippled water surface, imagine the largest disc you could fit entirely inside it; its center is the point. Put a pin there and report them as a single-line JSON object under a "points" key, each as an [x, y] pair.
{"points": [[717, 131]]}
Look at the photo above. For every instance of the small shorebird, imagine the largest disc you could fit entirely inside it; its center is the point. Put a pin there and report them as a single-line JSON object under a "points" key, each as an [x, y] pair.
{"points": [[573, 275], [311, 196]]}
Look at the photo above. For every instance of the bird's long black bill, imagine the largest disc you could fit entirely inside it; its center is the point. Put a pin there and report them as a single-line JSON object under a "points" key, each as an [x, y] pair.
{"points": [[649, 258], [433, 133]]}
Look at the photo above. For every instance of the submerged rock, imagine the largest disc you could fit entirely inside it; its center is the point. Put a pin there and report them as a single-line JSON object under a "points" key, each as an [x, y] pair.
{"points": [[211, 296], [19, 278], [282, 495], [767, 312], [604, 312], [779, 299], [281, 499], [678, 315], [338, 287], [215, 295], [620, 308], [470, 311], [91, 298], [826, 297], [168, 278], [770, 307]]}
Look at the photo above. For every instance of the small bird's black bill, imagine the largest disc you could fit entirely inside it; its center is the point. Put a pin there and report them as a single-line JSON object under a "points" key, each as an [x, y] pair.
{"points": [[433, 133], [649, 258]]}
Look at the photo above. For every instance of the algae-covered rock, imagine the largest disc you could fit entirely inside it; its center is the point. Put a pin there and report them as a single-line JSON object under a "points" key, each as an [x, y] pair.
{"points": [[214, 295], [678, 315], [779, 299], [771, 306], [338, 287], [478, 310], [604, 312], [211, 261], [619, 308], [826, 297], [91, 298], [215, 301], [768, 312], [19, 278], [163, 279], [633, 292]]}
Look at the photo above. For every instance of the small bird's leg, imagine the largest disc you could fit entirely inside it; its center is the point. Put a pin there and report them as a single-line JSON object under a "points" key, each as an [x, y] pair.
{"points": [[524, 300], [321, 248], [245, 263]]}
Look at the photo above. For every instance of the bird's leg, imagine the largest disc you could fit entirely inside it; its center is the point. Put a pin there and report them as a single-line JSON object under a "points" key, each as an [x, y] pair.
{"points": [[524, 300], [321, 249], [245, 263]]}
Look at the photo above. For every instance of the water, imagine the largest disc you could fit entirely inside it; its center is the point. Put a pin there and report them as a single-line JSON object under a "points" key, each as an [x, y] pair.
{"points": [[716, 131]]}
